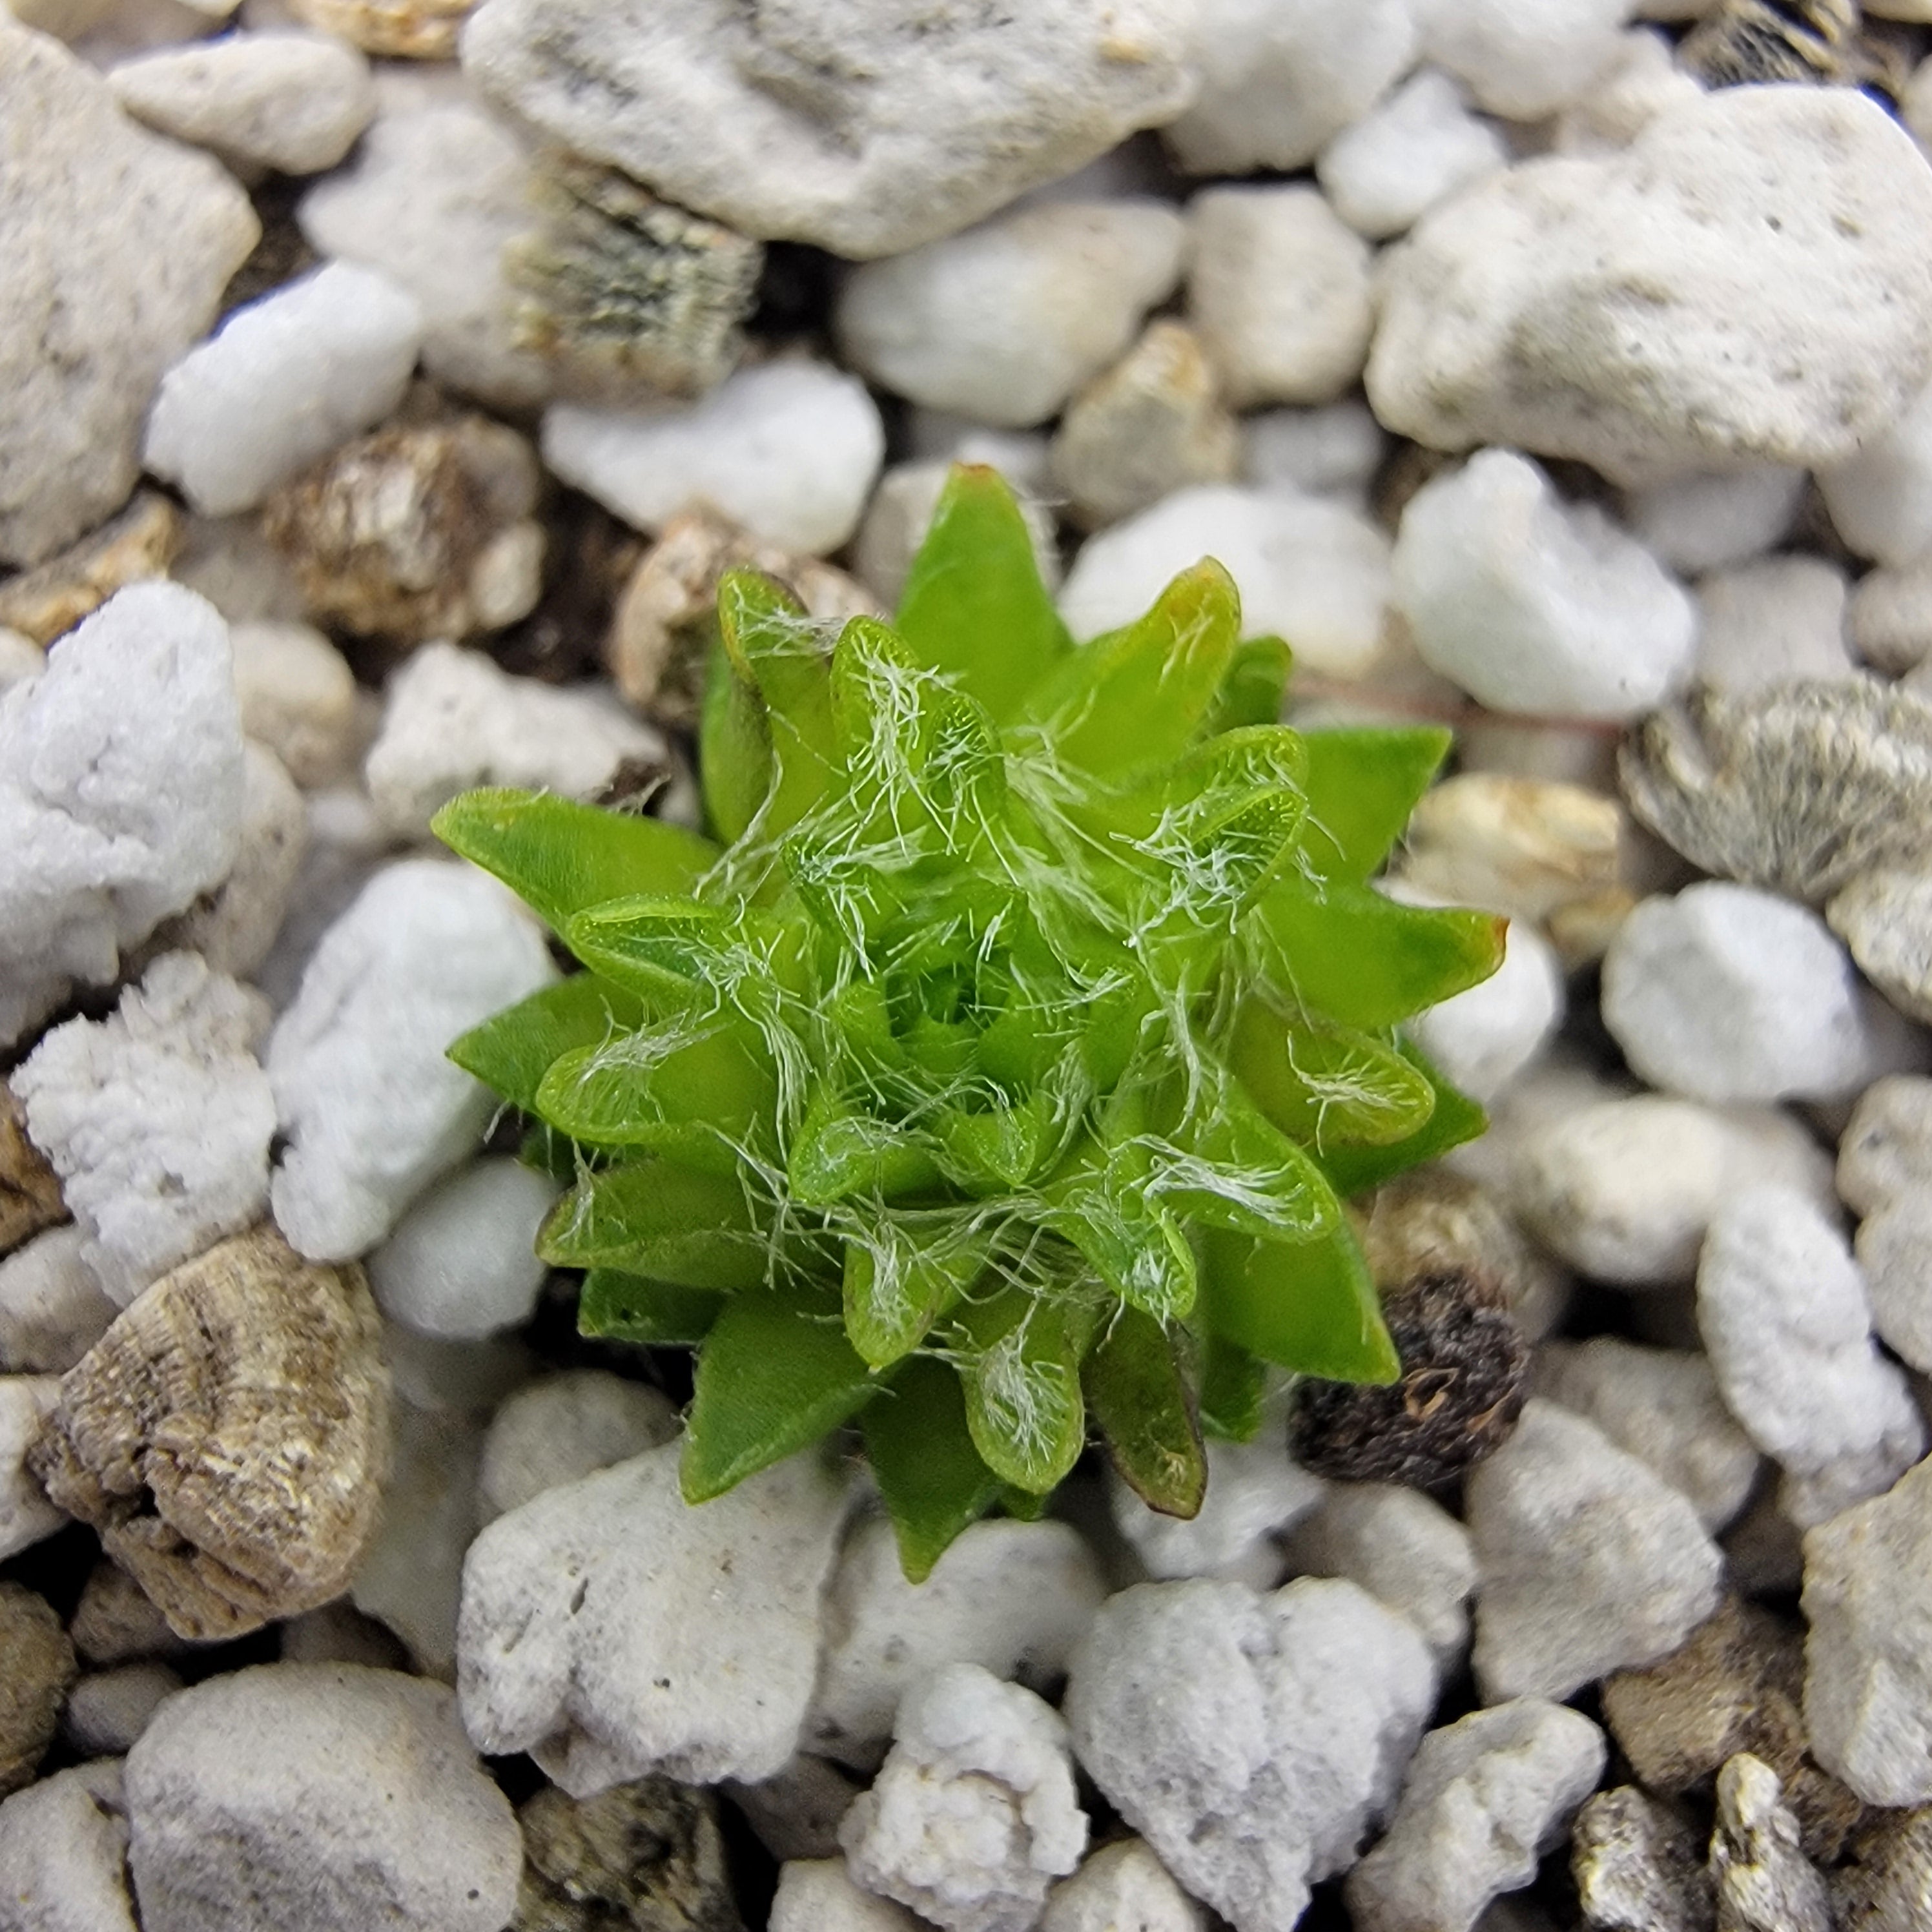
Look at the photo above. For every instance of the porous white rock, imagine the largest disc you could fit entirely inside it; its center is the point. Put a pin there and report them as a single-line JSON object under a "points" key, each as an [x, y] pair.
{"points": [[1525, 62], [611, 1629], [157, 1120], [1122, 1888], [106, 1710], [973, 1814], [788, 449], [1483, 1038], [1663, 1406], [282, 381], [1639, 310], [816, 1895], [1307, 568], [52, 1310], [1278, 291], [1783, 1309], [1532, 604], [317, 1798], [298, 697], [26, 1516], [1251, 1740], [1880, 497], [565, 1426], [1419, 146], [1894, 1253], [827, 124], [1624, 1189], [462, 1262], [20, 658], [1868, 1656], [1711, 519], [1890, 617], [121, 784], [289, 101], [1484, 1799], [1333, 451], [452, 719], [1885, 1154], [1254, 1490], [1725, 992], [63, 1853], [1642, 81], [1588, 1562], [1406, 1550], [1770, 621], [1278, 81], [435, 189], [1011, 1597], [372, 1110], [117, 246], [1003, 323]]}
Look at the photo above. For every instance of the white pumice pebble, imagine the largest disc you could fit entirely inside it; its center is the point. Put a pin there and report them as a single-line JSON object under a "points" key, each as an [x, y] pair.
{"points": [[974, 1813], [1306, 568], [1523, 63], [1121, 1887], [1724, 992], [462, 1262], [435, 190], [610, 1629], [1588, 1562], [1885, 1153], [1279, 81], [1784, 1313], [298, 697], [1768, 623], [1642, 81], [107, 1710], [1406, 1551], [1663, 1406], [1483, 1038], [1890, 616], [1012, 1597], [1533, 605], [1712, 520], [788, 449], [372, 1110], [52, 1309], [20, 658], [26, 1516], [1893, 1249], [1868, 1656], [1485, 1798], [1003, 323], [1279, 293], [64, 1845], [1254, 1491], [1418, 147], [283, 381], [1333, 451], [1252, 1741], [158, 1119], [1880, 499], [452, 719], [816, 1895], [121, 787], [564, 1426], [292, 102]]}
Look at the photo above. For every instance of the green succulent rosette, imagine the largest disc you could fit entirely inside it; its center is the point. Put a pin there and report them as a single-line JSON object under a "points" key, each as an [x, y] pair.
{"points": [[995, 1072]]}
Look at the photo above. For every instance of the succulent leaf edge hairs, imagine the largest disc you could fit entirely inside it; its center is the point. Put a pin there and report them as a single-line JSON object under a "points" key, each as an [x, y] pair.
{"points": [[996, 1072]]}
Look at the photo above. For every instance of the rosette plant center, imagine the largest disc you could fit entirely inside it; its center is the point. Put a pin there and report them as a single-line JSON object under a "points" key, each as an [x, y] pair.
{"points": [[994, 1074]]}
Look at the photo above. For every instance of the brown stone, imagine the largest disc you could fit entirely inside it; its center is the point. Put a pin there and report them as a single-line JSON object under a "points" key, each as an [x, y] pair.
{"points": [[228, 1435], [30, 1190], [47, 602], [116, 1621], [1885, 1883], [1637, 1866], [36, 1665], [402, 29]]}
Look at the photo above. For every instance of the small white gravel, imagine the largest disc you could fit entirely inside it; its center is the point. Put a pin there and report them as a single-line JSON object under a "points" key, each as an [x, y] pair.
{"points": [[565, 1426], [1418, 147], [1709, 520], [52, 1309], [1765, 623]]}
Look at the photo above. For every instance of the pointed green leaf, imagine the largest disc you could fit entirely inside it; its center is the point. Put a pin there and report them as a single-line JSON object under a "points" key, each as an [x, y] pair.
{"points": [[774, 1374], [1019, 1364], [1312, 1307], [1346, 953], [1328, 1087], [1255, 687], [513, 1050], [840, 1153], [772, 642], [560, 857], [1231, 1167], [1453, 1119], [712, 1073], [1140, 696], [620, 1307], [1362, 786], [973, 607], [994, 1151], [734, 748], [901, 1274], [921, 1456], [1137, 1395], [662, 1218], [1234, 1389]]}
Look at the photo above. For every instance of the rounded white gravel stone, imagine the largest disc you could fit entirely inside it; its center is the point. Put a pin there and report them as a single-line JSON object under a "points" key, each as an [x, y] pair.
{"points": [[1419, 146]]}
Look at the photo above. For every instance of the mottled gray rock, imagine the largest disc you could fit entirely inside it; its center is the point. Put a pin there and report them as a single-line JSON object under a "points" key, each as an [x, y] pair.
{"points": [[826, 123], [1588, 1562], [1251, 1740], [1637, 1868], [1888, 1878], [52, 1310], [317, 1798], [26, 1516], [563, 1427], [117, 246], [63, 1849], [107, 1710], [1764, 1882], [816, 1895], [1122, 1888]]}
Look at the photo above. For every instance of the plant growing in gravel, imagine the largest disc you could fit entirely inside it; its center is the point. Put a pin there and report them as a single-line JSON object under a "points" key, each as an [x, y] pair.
{"points": [[997, 1070]]}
